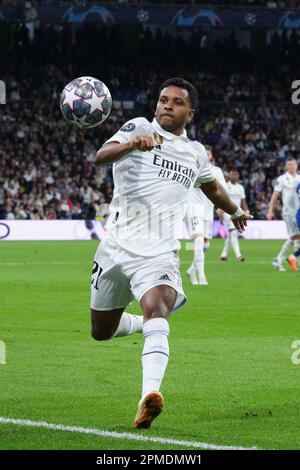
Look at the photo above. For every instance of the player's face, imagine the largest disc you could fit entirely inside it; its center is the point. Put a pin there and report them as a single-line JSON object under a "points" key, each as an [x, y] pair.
{"points": [[173, 110], [292, 167], [233, 176]]}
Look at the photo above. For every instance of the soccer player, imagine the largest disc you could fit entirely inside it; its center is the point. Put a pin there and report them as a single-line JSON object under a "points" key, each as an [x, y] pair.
{"points": [[292, 259], [155, 167], [237, 193], [201, 218], [286, 188]]}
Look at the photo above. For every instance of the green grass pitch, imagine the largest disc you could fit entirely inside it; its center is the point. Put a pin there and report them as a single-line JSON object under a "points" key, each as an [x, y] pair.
{"points": [[230, 378]]}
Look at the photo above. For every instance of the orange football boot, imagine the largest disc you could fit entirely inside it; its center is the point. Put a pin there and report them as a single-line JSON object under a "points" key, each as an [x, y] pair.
{"points": [[293, 263], [148, 409]]}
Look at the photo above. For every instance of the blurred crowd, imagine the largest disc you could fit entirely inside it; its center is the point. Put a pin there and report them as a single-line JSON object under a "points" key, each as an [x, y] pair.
{"points": [[47, 168]]}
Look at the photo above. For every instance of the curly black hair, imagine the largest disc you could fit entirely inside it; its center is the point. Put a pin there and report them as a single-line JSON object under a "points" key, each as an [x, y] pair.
{"points": [[181, 83]]}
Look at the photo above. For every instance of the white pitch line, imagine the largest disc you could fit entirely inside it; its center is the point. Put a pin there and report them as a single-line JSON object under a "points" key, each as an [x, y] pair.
{"points": [[117, 435]]}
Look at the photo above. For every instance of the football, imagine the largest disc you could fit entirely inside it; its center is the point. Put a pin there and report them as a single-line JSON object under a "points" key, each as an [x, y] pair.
{"points": [[85, 102]]}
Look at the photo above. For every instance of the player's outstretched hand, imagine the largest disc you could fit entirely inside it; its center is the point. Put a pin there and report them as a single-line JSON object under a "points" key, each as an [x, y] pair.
{"points": [[143, 143], [241, 222]]}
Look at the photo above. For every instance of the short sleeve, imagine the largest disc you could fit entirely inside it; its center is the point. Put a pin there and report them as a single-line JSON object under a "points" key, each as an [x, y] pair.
{"points": [[204, 176], [131, 129], [243, 194], [278, 185]]}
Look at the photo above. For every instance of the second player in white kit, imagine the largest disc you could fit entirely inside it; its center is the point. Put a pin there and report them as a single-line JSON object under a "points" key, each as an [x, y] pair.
{"points": [[237, 193], [285, 187], [201, 219]]}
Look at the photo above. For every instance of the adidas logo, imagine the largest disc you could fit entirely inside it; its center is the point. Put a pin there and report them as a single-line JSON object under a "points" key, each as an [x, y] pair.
{"points": [[165, 277]]}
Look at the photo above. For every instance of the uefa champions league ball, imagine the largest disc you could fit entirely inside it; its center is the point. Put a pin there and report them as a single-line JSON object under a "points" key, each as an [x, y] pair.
{"points": [[85, 102]]}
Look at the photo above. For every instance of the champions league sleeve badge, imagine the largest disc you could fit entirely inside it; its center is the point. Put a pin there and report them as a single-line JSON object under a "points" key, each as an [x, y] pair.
{"points": [[128, 127]]}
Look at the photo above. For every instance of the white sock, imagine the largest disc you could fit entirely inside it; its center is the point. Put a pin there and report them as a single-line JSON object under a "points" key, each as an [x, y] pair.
{"points": [[235, 243], [226, 247], [129, 324], [296, 248], [199, 256], [286, 247], [206, 246], [155, 353]]}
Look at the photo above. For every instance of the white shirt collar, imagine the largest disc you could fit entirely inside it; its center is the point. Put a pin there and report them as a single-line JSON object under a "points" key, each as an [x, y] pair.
{"points": [[291, 176], [166, 134]]}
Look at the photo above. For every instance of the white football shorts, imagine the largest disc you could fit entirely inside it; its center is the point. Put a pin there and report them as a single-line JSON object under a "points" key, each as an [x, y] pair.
{"points": [[119, 275], [290, 219], [204, 227]]}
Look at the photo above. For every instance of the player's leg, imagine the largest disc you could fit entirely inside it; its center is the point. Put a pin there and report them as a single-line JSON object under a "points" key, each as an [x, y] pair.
{"points": [[227, 242], [110, 294], [286, 247], [105, 323], [208, 231], [156, 284], [294, 259], [297, 247], [235, 245], [201, 246], [288, 244], [226, 248], [198, 263], [156, 304], [196, 229], [115, 323], [191, 271]]}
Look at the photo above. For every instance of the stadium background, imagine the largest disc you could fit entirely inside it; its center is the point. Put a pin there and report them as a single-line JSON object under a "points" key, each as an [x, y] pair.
{"points": [[231, 380], [243, 76]]}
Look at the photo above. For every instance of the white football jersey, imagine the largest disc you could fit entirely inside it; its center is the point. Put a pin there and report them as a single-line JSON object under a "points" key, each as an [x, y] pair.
{"points": [[198, 197], [287, 184], [152, 188], [236, 192]]}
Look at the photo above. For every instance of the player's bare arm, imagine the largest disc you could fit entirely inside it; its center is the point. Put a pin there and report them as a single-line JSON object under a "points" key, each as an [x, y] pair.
{"points": [[274, 198], [217, 194], [114, 151]]}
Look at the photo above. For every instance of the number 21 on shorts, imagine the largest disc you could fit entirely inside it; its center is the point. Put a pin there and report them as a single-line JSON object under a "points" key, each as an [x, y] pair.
{"points": [[96, 273]]}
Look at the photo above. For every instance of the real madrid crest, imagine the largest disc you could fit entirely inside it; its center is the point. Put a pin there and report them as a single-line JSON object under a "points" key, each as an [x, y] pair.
{"points": [[158, 138]]}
